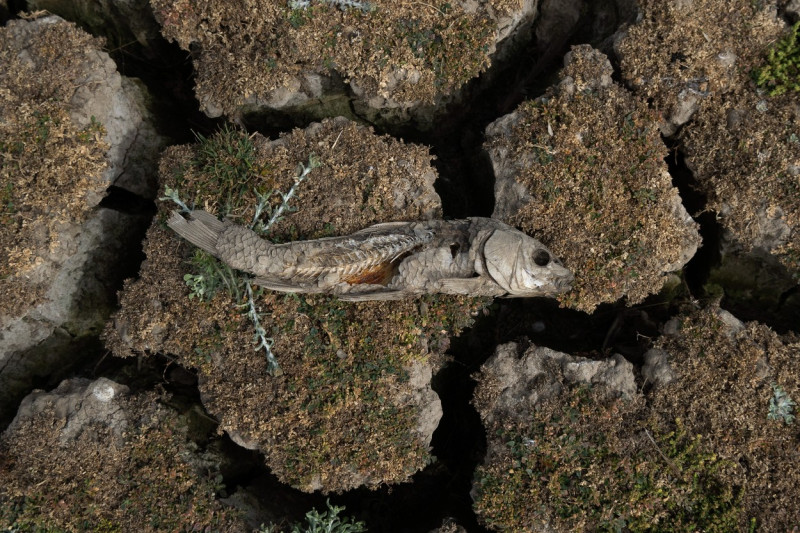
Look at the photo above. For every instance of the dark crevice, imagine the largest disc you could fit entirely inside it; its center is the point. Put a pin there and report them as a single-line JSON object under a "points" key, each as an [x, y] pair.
{"points": [[16, 6], [167, 72], [75, 352], [756, 286], [125, 201], [466, 176], [698, 270]]}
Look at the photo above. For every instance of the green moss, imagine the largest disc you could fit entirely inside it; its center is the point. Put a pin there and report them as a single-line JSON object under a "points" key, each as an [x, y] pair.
{"points": [[210, 275], [781, 73]]}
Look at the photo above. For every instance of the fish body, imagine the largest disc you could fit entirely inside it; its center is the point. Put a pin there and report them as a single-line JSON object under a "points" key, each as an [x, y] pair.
{"points": [[474, 256]]}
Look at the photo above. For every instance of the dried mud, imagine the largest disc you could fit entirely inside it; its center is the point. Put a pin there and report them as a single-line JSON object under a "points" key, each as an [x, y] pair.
{"points": [[169, 348]]}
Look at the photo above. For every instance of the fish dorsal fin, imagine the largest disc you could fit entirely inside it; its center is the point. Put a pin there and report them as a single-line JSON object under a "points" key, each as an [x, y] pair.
{"points": [[382, 227]]}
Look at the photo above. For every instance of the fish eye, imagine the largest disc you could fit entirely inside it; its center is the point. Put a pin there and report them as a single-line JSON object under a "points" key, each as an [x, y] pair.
{"points": [[541, 258]]}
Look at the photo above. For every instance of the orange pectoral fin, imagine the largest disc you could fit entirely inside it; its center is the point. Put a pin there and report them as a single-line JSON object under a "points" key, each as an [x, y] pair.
{"points": [[379, 274]]}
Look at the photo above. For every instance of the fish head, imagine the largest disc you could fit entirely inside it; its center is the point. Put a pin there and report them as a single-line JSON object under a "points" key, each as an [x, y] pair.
{"points": [[523, 266]]}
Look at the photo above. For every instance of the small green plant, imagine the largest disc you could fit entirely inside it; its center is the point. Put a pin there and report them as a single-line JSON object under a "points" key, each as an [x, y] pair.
{"points": [[209, 275], [172, 195], [229, 166], [327, 522], [93, 129], [263, 205], [781, 406], [297, 18], [782, 71], [260, 338]]}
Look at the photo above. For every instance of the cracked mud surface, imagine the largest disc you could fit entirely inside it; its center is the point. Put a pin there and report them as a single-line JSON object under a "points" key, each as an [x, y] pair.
{"points": [[257, 432]]}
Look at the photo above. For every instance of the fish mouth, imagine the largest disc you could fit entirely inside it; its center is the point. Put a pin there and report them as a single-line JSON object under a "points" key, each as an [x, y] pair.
{"points": [[564, 284]]}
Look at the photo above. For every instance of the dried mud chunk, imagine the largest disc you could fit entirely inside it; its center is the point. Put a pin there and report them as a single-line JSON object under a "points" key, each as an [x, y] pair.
{"points": [[742, 145], [46, 156], [286, 54], [582, 169], [353, 405], [571, 448], [680, 53], [732, 384], [89, 455], [749, 169], [70, 126]]}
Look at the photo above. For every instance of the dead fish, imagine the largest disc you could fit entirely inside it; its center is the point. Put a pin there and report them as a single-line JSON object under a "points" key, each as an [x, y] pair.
{"points": [[475, 256]]}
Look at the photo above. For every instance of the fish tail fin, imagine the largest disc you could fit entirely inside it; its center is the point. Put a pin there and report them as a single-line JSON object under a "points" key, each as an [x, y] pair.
{"points": [[201, 229]]}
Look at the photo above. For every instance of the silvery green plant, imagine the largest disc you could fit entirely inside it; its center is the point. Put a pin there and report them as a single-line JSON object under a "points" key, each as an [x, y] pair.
{"points": [[260, 338], [327, 522], [341, 4], [172, 195], [301, 174], [781, 406], [211, 274]]}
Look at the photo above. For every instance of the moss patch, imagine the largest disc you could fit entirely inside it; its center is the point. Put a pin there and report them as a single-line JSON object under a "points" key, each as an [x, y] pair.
{"points": [[404, 50], [591, 161], [346, 411], [98, 482], [782, 70], [50, 170]]}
